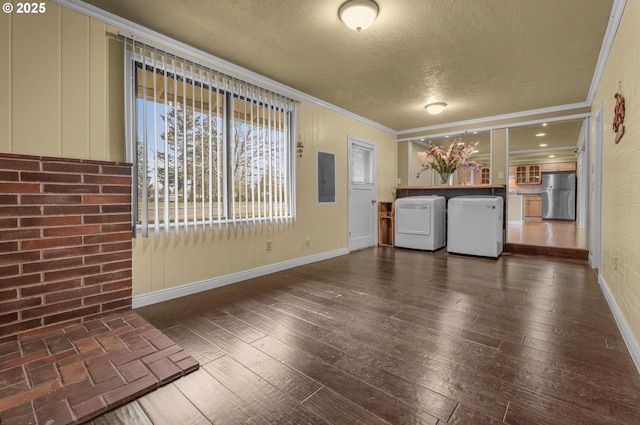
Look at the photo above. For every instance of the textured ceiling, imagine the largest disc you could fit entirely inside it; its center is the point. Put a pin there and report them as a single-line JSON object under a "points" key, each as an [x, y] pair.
{"points": [[482, 57]]}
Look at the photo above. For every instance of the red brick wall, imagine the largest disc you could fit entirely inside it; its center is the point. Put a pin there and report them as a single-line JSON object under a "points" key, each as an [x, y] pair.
{"points": [[65, 241]]}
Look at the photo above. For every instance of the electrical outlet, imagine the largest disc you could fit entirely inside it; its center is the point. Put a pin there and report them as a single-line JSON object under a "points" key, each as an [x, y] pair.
{"points": [[500, 174], [268, 245], [307, 241]]}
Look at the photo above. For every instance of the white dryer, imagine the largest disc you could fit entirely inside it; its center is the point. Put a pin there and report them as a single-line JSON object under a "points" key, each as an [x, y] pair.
{"points": [[420, 222], [475, 225]]}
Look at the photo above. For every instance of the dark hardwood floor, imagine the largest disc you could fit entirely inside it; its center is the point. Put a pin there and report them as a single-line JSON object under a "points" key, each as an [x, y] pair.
{"points": [[393, 336]]}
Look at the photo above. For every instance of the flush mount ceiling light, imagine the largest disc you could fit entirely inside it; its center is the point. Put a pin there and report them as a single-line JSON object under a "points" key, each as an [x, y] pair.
{"points": [[435, 108], [358, 14]]}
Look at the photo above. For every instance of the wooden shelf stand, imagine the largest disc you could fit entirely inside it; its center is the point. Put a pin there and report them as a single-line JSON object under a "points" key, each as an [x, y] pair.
{"points": [[386, 223]]}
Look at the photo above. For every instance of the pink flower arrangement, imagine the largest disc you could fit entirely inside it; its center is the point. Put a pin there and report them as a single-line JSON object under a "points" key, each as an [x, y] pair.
{"points": [[446, 162]]}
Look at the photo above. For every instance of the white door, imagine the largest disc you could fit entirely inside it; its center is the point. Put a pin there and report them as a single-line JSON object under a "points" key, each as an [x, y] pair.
{"points": [[362, 195]]}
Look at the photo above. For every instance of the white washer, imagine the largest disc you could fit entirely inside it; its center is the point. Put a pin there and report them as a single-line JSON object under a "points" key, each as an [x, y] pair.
{"points": [[475, 225], [420, 222]]}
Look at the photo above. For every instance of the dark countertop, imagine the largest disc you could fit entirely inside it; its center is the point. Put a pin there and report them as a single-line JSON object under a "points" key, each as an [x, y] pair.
{"points": [[461, 186], [451, 191]]}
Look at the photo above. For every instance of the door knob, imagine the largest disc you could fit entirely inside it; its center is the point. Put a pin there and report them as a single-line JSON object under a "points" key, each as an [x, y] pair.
{"points": [[373, 201]]}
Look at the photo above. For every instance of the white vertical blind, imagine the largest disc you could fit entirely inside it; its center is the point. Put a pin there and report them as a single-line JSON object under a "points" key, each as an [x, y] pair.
{"points": [[155, 149], [145, 164], [208, 148]]}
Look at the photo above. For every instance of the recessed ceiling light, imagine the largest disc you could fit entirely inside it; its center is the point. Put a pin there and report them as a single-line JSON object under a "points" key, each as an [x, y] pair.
{"points": [[460, 143], [552, 156], [544, 124], [476, 151], [435, 108], [541, 134], [543, 145]]}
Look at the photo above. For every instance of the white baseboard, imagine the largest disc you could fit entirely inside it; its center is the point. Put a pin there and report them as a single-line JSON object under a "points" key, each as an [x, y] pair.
{"points": [[625, 330], [216, 282]]}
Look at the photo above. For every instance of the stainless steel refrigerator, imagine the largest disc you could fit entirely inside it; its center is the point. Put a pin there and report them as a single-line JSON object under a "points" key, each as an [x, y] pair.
{"points": [[559, 195]]}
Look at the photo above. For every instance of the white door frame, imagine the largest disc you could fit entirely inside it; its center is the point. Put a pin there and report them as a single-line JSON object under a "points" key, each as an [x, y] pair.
{"points": [[595, 249], [367, 145], [584, 188]]}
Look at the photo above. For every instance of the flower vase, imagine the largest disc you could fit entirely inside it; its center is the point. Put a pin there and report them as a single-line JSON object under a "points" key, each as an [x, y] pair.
{"points": [[447, 178]]}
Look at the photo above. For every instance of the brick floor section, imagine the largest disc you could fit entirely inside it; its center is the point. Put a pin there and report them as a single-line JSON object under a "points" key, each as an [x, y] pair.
{"points": [[73, 374]]}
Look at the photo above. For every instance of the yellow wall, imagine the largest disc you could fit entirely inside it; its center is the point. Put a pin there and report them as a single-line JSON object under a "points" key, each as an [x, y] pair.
{"points": [[162, 262], [620, 260], [61, 86], [403, 163], [499, 172], [62, 74]]}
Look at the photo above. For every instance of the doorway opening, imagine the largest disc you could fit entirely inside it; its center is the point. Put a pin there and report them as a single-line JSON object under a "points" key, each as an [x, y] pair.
{"points": [[547, 184]]}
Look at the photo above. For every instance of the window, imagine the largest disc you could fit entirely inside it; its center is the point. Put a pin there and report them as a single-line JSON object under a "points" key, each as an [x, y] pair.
{"points": [[362, 170], [208, 149]]}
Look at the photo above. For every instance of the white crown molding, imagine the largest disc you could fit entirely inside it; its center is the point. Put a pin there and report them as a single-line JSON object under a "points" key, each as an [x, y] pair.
{"points": [[609, 36], [627, 334], [207, 59], [484, 120], [232, 69], [205, 285], [551, 120], [492, 127]]}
